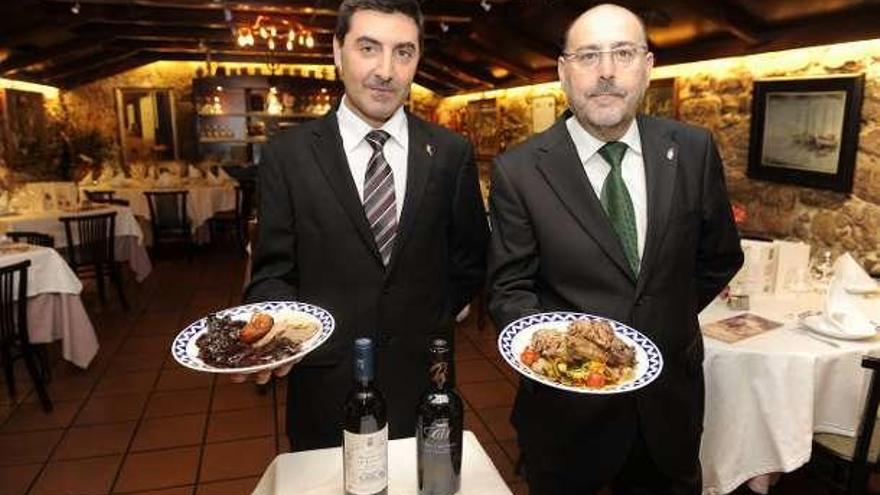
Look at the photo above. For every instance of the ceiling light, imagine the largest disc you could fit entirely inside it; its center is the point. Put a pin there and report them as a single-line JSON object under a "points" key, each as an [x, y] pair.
{"points": [[444, 27], [76, 7], [486, 5]]}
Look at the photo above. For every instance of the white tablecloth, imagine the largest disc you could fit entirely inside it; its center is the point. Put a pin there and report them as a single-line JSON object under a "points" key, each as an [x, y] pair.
{"points": [[766, 395], [55, 310], [319, 472], [129, 235], [202, 202]]}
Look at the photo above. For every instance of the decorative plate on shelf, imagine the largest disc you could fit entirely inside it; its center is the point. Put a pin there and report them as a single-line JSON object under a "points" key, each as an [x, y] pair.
{"points": [[186, 351], [516, 336]]}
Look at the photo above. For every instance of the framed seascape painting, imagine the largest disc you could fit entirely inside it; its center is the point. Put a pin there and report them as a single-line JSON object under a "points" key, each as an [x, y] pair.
{"points": [[806, 131]]}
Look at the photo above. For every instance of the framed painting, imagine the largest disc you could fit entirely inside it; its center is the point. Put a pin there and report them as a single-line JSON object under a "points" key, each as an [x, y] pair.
{"points": [[482, 125], [806, 131], [661, 98]]}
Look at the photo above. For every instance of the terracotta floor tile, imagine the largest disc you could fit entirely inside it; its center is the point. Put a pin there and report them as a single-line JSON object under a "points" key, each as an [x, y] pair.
{"points": [[112, 409], [28, 447], [125, 383], [473, 423], [177, 402], [519, 488], [488, 394], [497, 419], [511, 448], [81, 476], [241, 423], [16, 480], [148, 346], [174, 431], [245, 485], [158, 469], [128, 363], [238, 396], [67, 389], [465, 350], [476, 370], [95, 440], [177, 490], [30, 416], [238, 459], [182, 379]]}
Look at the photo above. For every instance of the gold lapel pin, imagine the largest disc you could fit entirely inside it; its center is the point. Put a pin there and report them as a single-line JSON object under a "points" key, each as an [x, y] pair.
{"points": [[670, 154], [429, 148]]}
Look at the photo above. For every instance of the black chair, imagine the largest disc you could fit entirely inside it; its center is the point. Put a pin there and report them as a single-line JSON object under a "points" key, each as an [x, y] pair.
{"points": [[837, 458], [91, 250], [33, 238], [105, 197], [169, 220], [237, 219], [14, 339]]}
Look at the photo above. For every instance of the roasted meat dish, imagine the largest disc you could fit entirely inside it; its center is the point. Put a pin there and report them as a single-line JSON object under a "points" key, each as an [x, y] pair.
{"points": [[232, 343], [588, 354]]}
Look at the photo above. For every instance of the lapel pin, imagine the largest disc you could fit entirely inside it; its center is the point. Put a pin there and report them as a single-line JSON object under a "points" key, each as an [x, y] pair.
{"points": [[429, 148], [670, 154]]}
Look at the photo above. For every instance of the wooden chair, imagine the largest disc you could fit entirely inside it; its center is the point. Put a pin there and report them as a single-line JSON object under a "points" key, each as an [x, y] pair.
{"points": [[236, 218], [14, 339], [92, 251], [33, 238], [854, 458], [105, 197], [169, 220]]}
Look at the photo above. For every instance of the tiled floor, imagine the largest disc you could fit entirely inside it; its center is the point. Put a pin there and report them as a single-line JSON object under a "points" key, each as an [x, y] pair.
{"points": [[135, 422]]}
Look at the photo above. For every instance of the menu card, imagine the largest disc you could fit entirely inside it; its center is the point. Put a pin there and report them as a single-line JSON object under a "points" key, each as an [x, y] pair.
{"points": [[739, 327]]}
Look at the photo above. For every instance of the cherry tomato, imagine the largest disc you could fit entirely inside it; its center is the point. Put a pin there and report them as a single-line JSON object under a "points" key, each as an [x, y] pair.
{"points": [[595, 380], [528, 357]]}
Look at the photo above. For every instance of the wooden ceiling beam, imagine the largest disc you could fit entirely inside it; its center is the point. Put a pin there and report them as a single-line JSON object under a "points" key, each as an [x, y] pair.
{"points": [[457, 71], [238, 56], [22, 60], [732, 18], [88, 63], [106, 70]]}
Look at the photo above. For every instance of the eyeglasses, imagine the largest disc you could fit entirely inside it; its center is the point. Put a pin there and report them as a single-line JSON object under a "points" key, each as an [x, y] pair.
{"points": [[622, 56]]}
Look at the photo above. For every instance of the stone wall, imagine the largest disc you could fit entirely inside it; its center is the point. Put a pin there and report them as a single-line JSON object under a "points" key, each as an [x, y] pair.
{"points": [[717, 95]]}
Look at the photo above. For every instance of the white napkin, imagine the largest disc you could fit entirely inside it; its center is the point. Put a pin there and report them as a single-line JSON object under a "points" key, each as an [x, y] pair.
{"points": [[223, 176], [87, 180], [107, 174], [193, 172], [855, 278], [166, 180], [213, 179], [842, 311]]}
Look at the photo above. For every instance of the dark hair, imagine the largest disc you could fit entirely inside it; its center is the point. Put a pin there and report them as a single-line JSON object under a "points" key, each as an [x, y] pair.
{"points": [[409, 8]]}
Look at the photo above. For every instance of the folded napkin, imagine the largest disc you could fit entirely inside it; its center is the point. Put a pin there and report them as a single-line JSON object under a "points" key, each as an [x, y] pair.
{"points": [[87, 179], [166, 180], [213, 178], [855, 278], [193, 172], [841, 310], [106, 175], [223, 176]]}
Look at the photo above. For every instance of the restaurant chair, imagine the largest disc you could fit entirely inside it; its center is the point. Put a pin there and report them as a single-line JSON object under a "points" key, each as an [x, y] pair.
{"points": [[14, 338], [237, 219], [32, 238], [837, 458], [105, 197], [91, 250], [169, 220]]}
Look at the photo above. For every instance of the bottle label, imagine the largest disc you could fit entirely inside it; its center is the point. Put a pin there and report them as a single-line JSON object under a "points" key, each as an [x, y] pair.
{"points": [[437, 437], [366, 462]]}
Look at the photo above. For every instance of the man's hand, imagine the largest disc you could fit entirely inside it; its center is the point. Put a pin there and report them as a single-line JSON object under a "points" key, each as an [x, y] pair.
{"points": [[263, 377]]}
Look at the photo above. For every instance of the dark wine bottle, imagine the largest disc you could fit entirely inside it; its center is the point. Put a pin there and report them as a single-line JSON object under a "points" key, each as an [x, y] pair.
{"points": [[440, 418], [365, 437]]}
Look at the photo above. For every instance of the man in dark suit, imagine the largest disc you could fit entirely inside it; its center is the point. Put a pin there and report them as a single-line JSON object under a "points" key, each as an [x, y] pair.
{"points": [[375, 215], [626, 218]]}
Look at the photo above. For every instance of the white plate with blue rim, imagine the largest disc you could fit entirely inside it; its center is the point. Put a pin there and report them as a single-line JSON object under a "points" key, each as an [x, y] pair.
{"points": [[186, 352], [516, 336]]}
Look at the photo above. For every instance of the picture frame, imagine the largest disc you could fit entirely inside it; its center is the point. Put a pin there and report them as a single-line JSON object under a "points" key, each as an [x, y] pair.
{"points": [[482, 125], [805, 131], [661, 98], [543, 112]]}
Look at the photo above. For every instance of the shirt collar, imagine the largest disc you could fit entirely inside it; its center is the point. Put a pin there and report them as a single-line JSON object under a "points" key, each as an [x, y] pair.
{"points": [[587, 145], [353, 129]]}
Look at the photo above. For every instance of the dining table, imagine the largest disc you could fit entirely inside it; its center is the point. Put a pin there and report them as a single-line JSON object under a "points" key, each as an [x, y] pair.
{"points": [[205, 198], [129, 244], [54, 308], [319, 472], [768, 394]]}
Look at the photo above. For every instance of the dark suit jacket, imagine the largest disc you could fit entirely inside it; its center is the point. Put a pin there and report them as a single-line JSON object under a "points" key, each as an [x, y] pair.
{"points": [[553, 248], [316, 247]]}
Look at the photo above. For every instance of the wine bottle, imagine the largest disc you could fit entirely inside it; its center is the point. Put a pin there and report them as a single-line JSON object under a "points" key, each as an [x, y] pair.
{"points": [[440, 418], [365, 437]]}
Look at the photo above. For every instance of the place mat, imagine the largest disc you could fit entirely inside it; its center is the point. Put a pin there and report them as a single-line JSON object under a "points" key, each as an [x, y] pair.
{"points": [[739, 327]]}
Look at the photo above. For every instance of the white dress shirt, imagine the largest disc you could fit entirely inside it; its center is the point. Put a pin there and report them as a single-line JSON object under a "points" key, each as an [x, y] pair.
{"points": [[632, 170], [358, 151]]}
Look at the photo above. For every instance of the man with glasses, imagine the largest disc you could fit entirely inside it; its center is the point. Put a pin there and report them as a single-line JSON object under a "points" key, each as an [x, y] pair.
{"points": [[621, 216]]}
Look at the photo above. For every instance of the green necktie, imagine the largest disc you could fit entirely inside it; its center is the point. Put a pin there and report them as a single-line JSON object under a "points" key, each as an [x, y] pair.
{"points": [[618, 205]]}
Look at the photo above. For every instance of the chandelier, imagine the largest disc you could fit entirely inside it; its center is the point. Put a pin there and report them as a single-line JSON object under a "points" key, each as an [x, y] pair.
{"points": [[274, 33]]}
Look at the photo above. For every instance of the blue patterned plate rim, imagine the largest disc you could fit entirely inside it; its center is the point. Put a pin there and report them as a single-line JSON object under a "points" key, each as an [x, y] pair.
{"points": [[515, 336], [185, 351]]}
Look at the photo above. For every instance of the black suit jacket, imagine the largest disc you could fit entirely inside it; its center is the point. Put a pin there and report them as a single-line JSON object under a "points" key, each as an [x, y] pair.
{"points": [[553, 248], [316, 246]]}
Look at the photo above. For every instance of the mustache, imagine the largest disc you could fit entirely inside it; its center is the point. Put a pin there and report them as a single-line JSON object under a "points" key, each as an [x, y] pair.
{"points": [[606, 87], [380, 84]]}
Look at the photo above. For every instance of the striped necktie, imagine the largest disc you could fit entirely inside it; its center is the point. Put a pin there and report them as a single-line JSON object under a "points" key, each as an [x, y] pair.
{"points": [[618, 204], [379, 202]]}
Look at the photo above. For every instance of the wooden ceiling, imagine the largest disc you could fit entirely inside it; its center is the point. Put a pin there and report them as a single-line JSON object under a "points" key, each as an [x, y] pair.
{"points": [[470, 44]]}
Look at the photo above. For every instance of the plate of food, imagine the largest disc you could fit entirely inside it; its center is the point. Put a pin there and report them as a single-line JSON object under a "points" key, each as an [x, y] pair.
{"points": [[580, 353], [252, 337]]}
